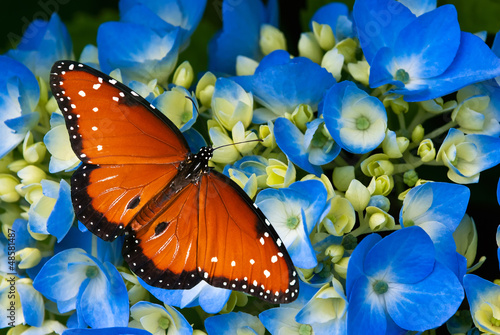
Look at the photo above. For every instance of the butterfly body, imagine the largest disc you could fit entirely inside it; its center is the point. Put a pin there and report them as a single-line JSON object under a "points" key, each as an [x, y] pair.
{"points": [[183, 222]]}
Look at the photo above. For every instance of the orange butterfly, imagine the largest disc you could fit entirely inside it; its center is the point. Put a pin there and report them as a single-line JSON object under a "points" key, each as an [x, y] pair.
{"points": [[183, 222]]}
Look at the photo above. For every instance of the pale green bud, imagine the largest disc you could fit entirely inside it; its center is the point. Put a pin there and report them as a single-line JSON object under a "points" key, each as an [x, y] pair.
{"points": [[341, 267], [342, 177], [279, 174], [183, 75], [333, 61], [245, 66], [417, 134], [469, 114], [17, 165], [394, 146], [8, 185], [381, 185], [240, 135], [410, 178], [302, 114], [33, 153], [51, 106], [205, 88], [324, 35], [309, 47], [5, 161], [348, 47], [360, 71], [232, 104], [28, 257], [336, 252], [248, 184], [396, 103], [426, 150], [438, 106], [135, 290], [466, 239], [358, 195], [266, 133], [31, 174], [341, 218], [271, 38], [378, 219], [377, 165], [227, 155]]}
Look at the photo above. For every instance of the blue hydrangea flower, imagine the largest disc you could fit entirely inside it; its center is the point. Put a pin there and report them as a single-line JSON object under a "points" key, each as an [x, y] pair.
{"points": [[75, 279], [356, 121], [180, 110], [240, 33], [159, 320], [281, 83], [249, 173], [396, 283], [138, 51], [234, 323], [106, 331], [163, 16], [438, 208], [310, 150], [294, 212], [211, 299], [62, 156], [19, 94], [467, 155], [42, 44], [483, 297], [424, 57], [336, 15], [53, 212]]}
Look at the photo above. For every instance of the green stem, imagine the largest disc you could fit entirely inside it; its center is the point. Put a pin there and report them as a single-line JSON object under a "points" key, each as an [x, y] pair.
{"points": [[402, 122]]}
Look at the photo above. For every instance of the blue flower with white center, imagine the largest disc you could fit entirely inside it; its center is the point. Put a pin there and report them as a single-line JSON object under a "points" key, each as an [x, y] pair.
{"points": [[336, 15], [163, 16], [21, 303], [240, 33], [159, 320], [281, 83], [467, 155], [62, 156], [395, 284], [53, 212], [483, 297], [19, 94], [356, 121], [105, 331], [234, 323], [419, 7], [424, 57], [211, 299], [231, 104], [294, 212], [138, 51], [438, 208], [310, 150], [42, 44], [75, 279]]}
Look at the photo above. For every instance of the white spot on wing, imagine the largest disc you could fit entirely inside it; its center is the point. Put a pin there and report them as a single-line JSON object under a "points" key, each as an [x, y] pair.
{"points": [[267, 273], [274, 259], [81, 93], [214, 259], [99, 147], [116, 98], [94, 128], [112, 81], [95, 109], [252, 261], [96, 86], [233, 263]]}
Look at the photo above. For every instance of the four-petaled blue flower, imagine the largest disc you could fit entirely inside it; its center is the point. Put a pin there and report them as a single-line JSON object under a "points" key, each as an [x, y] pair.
{"points": [[234, 323], [395, 284]]}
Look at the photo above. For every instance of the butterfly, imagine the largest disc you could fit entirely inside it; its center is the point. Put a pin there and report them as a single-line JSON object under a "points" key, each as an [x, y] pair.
{"points": [[183, 221]]}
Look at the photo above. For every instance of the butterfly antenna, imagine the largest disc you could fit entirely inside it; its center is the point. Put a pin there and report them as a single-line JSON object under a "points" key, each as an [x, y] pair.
{"points": [[226, 145], [194, 104]]}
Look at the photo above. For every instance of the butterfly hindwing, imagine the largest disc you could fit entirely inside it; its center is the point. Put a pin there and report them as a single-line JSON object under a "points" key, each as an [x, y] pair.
{"points": [[237, 246]]}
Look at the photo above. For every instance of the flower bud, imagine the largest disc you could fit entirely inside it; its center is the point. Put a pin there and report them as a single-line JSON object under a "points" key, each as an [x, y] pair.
{"points": [[5, 161], [417, 134], [28, 257], [426, 150], [271, 38], [348, 48], [183, 75], [309, 47], [394, 146], [302, 114], [438, 106], [358, 195], [231, 104], [8, 185], [470, 114], [381, 202], [410, 178], [245, 66], [379, 219], [33, 153], [226, 155], [279, 174], [324, 35], [336, 252], [341, 218], [381, 185], [266, 133], [333, 61], [342, 177], [248, 184], [32, 192], [466, 239], [31, 174], [205, 88], [240, 135], [324, 179], [17, 165], [396, 103], [377, 165], [341, 267], [360, 71]]}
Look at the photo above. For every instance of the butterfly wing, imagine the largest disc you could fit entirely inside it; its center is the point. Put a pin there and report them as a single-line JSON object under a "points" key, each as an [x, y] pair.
{"points": [[129, 149], [237, 246]]}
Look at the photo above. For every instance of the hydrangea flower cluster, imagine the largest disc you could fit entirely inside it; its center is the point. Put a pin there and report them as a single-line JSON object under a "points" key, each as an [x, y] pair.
{"points": [[345, 125]]}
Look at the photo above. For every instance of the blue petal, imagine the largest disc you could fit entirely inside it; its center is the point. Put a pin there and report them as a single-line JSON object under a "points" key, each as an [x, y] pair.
{"points": [[474, 62], [280, 320], [419, 7], [319, 155], [477, 289], [329, 14], [355, 270], [195, 140], [233, 323], [290, 140], [23, 237], [365, 313], [425, 304], [23, 123], [443, 202], [498, 192], [378, 24], [104, 301], [405, 256], [316, 196], [62, 216], [32, 304], [428, 46], [106, 331]]}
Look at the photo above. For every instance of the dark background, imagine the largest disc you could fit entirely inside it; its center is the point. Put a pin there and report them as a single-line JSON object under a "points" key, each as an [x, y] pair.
{"points": [[84, 17]]}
